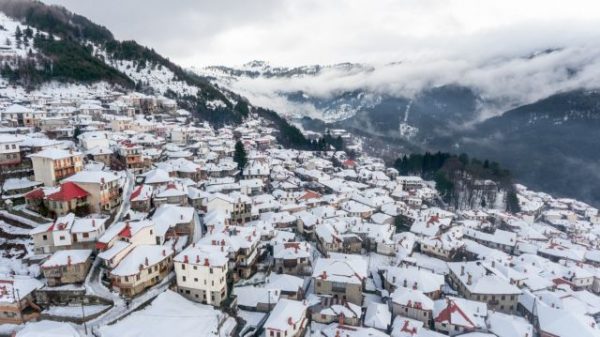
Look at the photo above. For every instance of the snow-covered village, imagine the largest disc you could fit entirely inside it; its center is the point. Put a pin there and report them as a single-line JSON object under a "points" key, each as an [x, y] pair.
{"points": [[124, 213]]}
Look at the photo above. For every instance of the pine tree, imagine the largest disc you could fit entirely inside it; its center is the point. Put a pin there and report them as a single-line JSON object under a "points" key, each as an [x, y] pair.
{"points": [[512, 202], [239, 155], [18, 33]]}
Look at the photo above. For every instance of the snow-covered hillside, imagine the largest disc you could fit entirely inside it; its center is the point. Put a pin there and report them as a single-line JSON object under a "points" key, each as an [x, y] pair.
{"points": [[9, 44], [157, 78]]}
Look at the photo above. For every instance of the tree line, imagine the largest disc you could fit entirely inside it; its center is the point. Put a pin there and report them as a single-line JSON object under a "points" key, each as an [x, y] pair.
{"points": [[448, 170]]}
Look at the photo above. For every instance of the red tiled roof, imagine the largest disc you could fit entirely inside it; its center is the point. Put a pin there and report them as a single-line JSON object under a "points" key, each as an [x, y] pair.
{"points": [[446, 314], [38, 193], [349, 163], [310, 195], [136, 192], [126, 232], [68, 191]]}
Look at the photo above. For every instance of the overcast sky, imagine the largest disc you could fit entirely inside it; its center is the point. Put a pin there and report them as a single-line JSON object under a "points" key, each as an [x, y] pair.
{"points": [[292, 32]]}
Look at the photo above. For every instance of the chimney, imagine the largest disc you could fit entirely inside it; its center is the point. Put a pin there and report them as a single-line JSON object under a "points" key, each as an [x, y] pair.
{"points": [[415, 285], [469, 279], [146, 261], [164, 252], [94, 223], [324, 275], [462, 270], [206, 263], [493, 264], [185, 259], [290, 322], [68, 260], [341, 319]]}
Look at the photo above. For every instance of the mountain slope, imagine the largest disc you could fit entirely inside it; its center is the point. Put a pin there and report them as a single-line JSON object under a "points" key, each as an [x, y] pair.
{"points": [[546, 133], [551, 144], [69, 48]]}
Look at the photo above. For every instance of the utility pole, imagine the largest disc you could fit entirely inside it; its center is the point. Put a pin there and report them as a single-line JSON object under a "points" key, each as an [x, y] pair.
{"points": [[83, 318], [18, 302]]}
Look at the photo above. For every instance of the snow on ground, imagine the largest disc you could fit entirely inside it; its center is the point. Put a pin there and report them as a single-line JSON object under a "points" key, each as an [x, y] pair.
{"points": [[120, 308], [75, 311], [160, 78], [8, 41], [10, 266], [10, 229], [56, 89], [8, 329], [252, 318], [257, 278], [170, 314], [20, 219]]}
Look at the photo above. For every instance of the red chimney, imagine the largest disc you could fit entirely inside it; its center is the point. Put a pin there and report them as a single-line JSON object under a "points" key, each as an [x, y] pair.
{"points": [[206, 263], [290, 322], [185, 259], [324, 275]]}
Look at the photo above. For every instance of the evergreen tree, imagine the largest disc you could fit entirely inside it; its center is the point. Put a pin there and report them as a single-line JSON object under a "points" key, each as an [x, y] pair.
{"points": [[512, 202], [18, 34], [242, 108], [239, 155]]}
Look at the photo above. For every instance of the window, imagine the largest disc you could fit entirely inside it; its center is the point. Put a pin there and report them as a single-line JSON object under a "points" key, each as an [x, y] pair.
{"points": [[211, 270], [45, 237], [195, 279], [137, 277], [271, 333], [86, 235], [183, 266], [61, 237], [183, 278]]}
